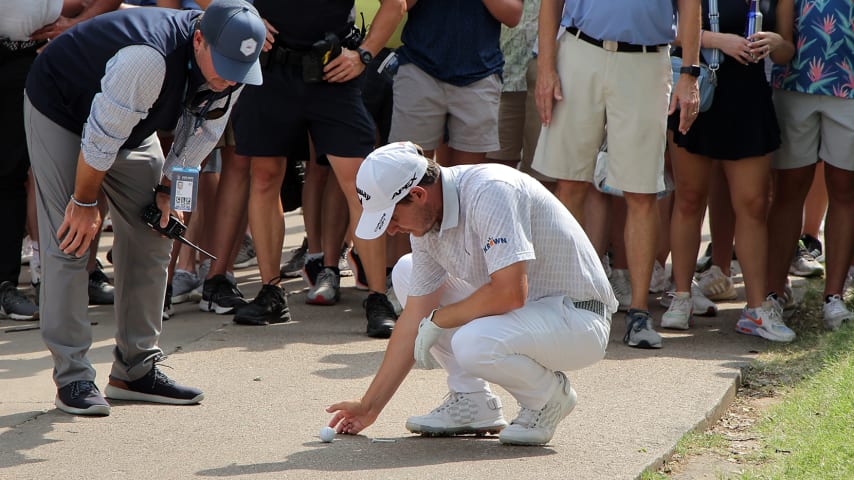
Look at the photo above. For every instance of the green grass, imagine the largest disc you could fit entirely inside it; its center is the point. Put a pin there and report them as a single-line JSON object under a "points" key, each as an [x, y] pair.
{"points": [[810, 434]]}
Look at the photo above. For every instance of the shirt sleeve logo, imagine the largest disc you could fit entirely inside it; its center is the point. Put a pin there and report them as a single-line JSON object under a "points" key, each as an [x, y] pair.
{"points": [[493, 241]]}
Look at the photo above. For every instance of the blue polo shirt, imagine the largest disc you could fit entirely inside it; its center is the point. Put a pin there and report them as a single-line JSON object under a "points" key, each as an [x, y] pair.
{"points": [[641, 22], [455, 41]]}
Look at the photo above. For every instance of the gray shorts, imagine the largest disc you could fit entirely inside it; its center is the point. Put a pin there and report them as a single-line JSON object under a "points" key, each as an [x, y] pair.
{"points": [[814, 127], [424, 106]]}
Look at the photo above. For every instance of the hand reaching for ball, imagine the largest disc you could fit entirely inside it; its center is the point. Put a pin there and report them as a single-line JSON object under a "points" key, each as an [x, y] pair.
{"points": [[351, 417]]}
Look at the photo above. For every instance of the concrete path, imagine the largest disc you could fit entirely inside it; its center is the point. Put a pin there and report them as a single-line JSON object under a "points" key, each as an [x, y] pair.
{"points": [[266, 389]]}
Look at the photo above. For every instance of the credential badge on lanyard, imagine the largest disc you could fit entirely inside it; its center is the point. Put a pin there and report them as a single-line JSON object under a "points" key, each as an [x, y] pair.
{"points": [[185, 183]]}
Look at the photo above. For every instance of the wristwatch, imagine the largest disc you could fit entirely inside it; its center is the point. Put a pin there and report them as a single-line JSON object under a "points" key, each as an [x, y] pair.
{"points": [[365, 55], [160, 188], [693, 70]]}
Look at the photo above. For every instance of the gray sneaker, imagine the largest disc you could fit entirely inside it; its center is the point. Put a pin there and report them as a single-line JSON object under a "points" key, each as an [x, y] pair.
{"points": [[293, 268], [537, 427], [460, 414], [246, 256], [185, 287], [639, 332], [15, 305], [326, 290]]}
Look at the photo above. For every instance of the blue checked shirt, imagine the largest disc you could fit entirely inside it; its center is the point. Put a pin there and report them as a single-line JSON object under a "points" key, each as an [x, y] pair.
{"points": [[130, 86]]}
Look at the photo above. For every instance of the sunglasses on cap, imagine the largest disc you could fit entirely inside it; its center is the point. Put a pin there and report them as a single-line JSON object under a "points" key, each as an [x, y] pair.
{"points": [[199, 105]]}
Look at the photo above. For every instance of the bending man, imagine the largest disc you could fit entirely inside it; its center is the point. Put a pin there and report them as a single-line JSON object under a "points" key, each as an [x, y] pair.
{"points": [[502, 286]]}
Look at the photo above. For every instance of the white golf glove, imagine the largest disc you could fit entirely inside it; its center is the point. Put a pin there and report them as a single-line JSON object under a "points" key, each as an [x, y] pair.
{"points": [[428, 335]]}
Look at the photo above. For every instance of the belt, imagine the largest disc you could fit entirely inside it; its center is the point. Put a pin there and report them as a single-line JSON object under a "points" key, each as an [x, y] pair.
{"points": [[612, 45], [594, 306], [285, 56]]}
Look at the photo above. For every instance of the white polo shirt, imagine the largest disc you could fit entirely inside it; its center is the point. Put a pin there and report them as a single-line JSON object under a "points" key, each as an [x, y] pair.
{"points": [[20, 18], [495, 216]]}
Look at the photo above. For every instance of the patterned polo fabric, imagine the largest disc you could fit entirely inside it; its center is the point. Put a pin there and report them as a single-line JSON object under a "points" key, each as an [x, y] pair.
{"points": [[497, 216], [517, 44], [824, 58]]}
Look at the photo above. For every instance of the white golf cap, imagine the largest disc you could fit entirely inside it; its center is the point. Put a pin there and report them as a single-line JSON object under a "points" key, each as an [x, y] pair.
{"points": [[385, 177]]}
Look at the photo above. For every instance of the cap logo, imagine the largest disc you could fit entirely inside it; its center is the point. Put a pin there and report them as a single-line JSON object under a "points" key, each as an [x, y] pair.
{"points": [[363, 195], [248, 46], [405, 186], [381, 224]]}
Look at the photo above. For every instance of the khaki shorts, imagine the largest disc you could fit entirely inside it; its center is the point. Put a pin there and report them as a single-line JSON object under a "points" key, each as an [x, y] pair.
{"points": [[631, 90], [227, 138], [814, 127], [424, 106]]}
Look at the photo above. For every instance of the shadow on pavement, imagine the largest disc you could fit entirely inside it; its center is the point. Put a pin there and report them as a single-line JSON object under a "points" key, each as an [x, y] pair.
{"points": [[358, 453]]}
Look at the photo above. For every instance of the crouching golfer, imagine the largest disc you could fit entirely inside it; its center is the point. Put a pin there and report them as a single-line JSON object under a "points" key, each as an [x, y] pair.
{"points": [[502, 286]]}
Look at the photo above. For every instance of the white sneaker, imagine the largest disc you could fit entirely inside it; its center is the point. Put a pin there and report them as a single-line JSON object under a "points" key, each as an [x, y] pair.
{"points": [[678, 316], [622, 287], [26, 251], [848, 285], [461, 413], [660, 281], [765, 321], [715, 285], [185, 287], [804, 264], [703, 307], [537, 427], [836, 312]]}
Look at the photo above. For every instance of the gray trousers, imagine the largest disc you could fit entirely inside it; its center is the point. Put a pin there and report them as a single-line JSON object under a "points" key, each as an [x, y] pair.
{"points": [[140, 255]]}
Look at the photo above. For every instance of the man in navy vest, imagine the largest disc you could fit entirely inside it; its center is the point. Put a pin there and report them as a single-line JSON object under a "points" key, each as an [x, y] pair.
{"points": [[94, 100]]}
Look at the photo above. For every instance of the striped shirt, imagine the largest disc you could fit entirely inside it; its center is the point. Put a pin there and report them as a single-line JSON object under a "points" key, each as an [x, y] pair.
{"points": [[131, 84], [495, 216]]}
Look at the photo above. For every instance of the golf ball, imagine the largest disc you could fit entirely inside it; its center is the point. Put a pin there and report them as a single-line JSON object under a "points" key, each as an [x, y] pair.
{"points": [[327, 434]]}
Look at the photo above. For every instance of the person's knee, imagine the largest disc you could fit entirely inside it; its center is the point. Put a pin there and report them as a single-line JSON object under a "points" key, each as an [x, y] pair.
{"points": [[267, 176], [473, 351], [754, 206], [690, 202], [791, 186], [641, 203], [839, 188], [400, 277]]}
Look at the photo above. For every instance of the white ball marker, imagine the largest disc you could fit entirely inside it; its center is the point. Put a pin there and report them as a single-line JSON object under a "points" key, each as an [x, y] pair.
{"points": [[327, 434]]}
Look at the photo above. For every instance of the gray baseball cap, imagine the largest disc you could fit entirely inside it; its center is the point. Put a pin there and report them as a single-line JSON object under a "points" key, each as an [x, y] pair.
{"points": [[235, 32]]}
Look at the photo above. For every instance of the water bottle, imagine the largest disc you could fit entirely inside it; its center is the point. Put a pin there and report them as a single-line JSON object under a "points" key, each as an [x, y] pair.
{"points": [[754, 19]]}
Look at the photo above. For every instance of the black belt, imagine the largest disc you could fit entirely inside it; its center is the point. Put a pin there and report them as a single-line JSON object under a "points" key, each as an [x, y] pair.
{"points": [[594, 306], [285, 56], [611, 45]]}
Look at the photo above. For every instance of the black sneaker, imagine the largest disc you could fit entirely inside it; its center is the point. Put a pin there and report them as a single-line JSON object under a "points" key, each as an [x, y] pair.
{"points": [[16, 305], [358, 271], [269, 306], [221, 296], [81, 397], [100, 290], [154, 387], [167, 303], [813, 245], [311, 270], [380, 315]]}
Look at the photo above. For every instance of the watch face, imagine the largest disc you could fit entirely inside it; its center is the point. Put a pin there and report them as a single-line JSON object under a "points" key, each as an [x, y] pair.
{"points": [[366, 56]]}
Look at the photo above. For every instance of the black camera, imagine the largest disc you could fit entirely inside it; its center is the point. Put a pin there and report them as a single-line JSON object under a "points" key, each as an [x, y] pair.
{"points": [[174, 230], [151, 215]]}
